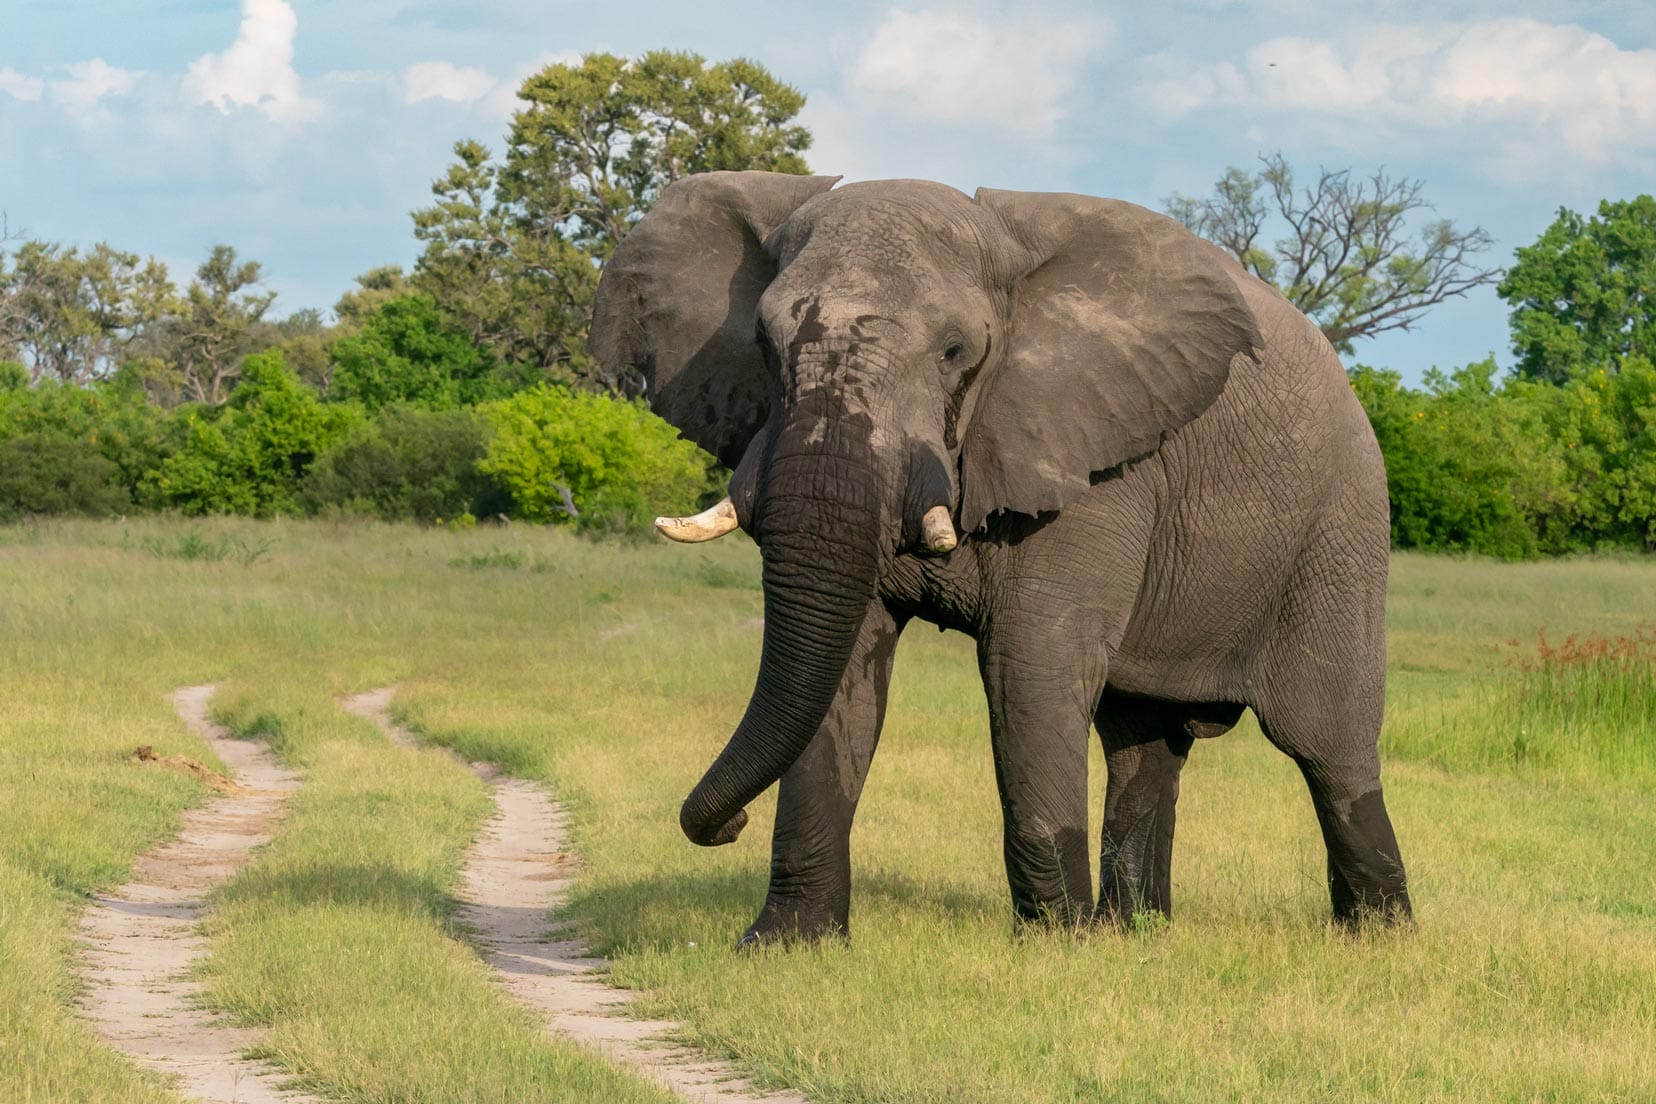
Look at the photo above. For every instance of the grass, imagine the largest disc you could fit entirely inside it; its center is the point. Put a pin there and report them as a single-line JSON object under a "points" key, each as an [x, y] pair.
{"points": [[192, 545], [615, 673], [1593, 694], [338, 938]]}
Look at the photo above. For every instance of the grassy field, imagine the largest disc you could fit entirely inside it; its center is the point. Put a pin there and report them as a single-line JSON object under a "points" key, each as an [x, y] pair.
{"points": [[1528, 821]]}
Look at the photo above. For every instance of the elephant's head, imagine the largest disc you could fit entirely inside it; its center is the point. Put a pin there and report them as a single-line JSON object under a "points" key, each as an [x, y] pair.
{"points": [[882, 362]]}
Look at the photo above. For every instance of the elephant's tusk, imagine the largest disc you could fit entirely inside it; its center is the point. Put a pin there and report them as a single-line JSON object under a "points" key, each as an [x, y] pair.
{"points": [[713, 522], [937, 530]]}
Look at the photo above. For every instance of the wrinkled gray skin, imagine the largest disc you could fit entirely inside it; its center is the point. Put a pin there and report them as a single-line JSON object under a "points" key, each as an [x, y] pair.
{"points": [[1171, 508]]}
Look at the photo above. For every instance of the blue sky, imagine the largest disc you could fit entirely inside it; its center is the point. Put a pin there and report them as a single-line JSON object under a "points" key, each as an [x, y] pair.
{"points": [[303, 131]]}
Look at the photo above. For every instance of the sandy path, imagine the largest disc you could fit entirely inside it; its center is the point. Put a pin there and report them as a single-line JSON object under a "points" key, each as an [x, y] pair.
{"points": [[141, 939], [520, 868]]}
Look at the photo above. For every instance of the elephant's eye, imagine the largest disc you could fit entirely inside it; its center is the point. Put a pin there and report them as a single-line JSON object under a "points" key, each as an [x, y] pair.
{"points": [[952, 353]]}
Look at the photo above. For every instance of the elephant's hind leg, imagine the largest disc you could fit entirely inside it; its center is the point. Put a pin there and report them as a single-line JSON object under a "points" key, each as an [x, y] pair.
{"points": [[1366, 879], [1321, 702], [1145, 746]]}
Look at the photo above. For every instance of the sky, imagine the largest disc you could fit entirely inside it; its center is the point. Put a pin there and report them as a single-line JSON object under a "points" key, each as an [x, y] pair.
{"points": [[303, 132]]}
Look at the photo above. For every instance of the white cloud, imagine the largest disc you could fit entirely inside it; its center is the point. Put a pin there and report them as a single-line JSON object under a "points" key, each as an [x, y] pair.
{"points": [[257, 70], [441, 80], [87, 83], [974, 96], [1519, 88], [1015, 73], [20, 85]]}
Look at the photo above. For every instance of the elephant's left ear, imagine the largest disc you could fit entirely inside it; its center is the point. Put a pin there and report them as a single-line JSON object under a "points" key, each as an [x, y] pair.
{"points": [[1124, 326]]}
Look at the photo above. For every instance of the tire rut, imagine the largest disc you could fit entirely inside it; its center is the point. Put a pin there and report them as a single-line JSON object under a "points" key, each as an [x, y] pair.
{"points": [[520, 868], [140, 940]]}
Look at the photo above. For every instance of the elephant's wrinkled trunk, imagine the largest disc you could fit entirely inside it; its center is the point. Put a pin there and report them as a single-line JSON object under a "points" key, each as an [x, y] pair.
{"points": [[820, 537]]}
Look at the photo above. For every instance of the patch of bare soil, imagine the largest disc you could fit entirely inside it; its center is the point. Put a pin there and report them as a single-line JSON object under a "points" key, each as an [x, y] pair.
{"points": [[518, 870], [183, 764], [141, 939]]}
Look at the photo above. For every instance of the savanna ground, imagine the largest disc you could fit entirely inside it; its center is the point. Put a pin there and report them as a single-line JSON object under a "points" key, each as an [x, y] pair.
{"points": [[1522, 782]]}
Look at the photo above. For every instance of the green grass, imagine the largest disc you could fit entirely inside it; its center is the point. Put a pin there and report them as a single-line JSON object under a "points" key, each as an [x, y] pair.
{"points": [[615, 672], [338, 938]]}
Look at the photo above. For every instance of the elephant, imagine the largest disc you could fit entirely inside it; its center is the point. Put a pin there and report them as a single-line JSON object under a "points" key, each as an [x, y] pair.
{"points": [[1063, 425]]}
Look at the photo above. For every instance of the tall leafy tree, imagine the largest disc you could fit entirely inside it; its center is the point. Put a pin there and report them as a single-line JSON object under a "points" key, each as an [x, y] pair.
{"points": [[72, 316], [404, 354], [513, 248], [1347, 255], [374, 288], [218, 324], [1583, 296]]}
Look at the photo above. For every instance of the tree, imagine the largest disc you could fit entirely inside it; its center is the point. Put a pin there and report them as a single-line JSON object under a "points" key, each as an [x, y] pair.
{"points": [[1346, 259], [72, 316], [216, 327], [11, 310], [404, 354], [250, 455], [1583, 296], [512, 249], [373, 288], [306, 341]]}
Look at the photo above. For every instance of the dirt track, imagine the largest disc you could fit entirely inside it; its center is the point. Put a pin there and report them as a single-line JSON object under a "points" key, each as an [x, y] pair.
{"points": [[141, 939], [519, 868]]}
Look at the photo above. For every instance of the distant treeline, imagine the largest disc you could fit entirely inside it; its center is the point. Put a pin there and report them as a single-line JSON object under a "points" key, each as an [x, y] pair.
{"points": [[462, 390], [457, 391]]}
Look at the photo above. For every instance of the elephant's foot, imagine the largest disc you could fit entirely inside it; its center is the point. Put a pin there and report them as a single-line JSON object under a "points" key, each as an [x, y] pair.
{"points": [[1124, 917], [1365, 872], [1373, 908], [1059, 915], [1136, 887], [788, 922]]}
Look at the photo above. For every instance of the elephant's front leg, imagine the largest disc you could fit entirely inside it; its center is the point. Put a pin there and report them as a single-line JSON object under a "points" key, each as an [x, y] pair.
{"points": [[1040, 724], [810, 884]]}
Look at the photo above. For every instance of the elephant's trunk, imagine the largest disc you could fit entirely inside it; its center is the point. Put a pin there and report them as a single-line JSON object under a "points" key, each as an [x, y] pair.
{"points": [[820, 535]]}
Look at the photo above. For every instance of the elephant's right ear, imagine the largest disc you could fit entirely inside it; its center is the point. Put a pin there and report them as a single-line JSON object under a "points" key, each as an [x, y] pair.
{"points": [[1123, 328], [677, 302]]}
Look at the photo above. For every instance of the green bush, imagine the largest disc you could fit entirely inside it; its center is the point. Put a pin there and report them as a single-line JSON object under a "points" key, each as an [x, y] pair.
{"points": [[408, 464], [116, 420], [405, 354], [619, 463], [251, 455], [45, 474], [1603, 423], [1467, 469], [1518, 468]]}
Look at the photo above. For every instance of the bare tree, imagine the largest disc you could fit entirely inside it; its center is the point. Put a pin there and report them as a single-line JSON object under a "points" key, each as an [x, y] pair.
{"points": [[1347, 259]]}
